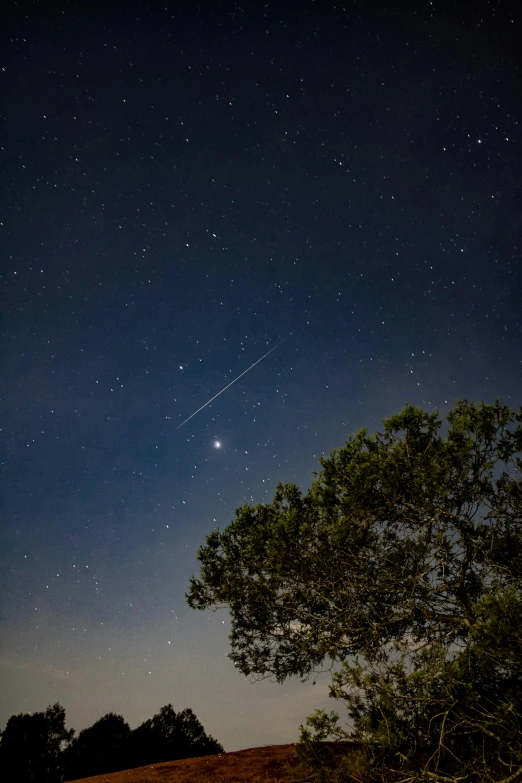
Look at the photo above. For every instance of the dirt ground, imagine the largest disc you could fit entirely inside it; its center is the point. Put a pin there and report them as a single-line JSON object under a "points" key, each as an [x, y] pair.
{"points": [[270, 764]]}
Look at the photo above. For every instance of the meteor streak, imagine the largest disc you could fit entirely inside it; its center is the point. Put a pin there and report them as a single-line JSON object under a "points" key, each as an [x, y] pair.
{"points": [[231, 382]]}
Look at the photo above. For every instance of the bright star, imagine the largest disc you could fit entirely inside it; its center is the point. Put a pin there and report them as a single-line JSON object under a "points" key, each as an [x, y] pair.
{"points": [[217, 444]]}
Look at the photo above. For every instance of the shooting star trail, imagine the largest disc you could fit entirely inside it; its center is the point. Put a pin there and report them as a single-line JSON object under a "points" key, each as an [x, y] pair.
{"points": [[231, 382]]}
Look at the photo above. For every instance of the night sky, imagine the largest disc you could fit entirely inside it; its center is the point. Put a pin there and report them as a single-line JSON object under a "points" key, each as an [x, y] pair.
{"points": [[183, 188]]}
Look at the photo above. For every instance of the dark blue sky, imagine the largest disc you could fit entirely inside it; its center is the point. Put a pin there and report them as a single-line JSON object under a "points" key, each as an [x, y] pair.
{"points": [[183, 188]]}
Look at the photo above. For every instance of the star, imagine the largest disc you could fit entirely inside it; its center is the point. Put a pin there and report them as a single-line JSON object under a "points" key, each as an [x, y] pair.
{"points": [[217, 444]]}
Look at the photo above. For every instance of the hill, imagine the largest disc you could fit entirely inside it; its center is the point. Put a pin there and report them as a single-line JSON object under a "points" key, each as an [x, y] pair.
{"points": [[270, 764]]}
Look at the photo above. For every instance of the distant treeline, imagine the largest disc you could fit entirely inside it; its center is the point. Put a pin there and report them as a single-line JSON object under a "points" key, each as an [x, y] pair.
{"points": [[37, 748]]}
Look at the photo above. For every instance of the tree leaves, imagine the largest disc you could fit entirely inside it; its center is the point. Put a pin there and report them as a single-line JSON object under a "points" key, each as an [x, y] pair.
{"points": [[406, 552], [169, 736], [31, 745], [36, 748]]}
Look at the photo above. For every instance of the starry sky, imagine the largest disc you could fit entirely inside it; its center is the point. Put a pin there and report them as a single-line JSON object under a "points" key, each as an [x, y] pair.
{"points": [[184, 187]]}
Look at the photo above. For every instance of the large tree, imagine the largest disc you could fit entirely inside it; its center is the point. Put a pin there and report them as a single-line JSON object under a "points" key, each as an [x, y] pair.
{"points": [[401, 566], [102, 747], [31, 746], [171, 735]]}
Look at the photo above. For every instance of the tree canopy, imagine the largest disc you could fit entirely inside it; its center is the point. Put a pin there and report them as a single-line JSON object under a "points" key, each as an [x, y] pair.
{"points": [[31, 746], [37, 748], [169, 736], [401, 566], [100, 748]]}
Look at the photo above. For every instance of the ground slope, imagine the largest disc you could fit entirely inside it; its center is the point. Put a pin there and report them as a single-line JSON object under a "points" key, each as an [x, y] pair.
{"points": [[270, 764]]}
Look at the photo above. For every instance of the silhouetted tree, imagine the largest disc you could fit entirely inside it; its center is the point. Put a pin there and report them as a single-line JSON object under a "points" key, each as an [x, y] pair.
{"points": [[403, 564], [103, 747], [31, 746], [169, 736]]}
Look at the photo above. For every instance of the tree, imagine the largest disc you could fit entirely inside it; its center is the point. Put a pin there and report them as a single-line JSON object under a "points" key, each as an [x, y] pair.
{"points": [[401, 566], [169, 736], [31, 746], [101, 748]]}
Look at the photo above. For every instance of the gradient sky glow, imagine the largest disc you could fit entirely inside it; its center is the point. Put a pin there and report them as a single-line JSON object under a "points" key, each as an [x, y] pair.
{"points": [[183, 188]]}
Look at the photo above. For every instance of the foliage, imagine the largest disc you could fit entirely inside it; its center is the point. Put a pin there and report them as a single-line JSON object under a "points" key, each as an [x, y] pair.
{"points": [[103, 747], [31, 745], [169, 736], [331, 762], [402, 565], [36, 748]]}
